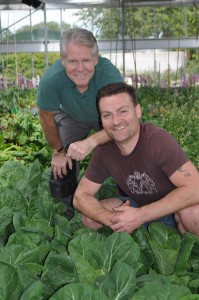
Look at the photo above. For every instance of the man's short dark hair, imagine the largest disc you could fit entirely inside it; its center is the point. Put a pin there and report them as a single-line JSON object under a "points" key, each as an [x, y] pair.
{"points": [[115, 89]]}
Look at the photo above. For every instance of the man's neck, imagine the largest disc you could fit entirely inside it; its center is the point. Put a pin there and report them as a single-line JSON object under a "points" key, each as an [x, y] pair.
{"points": [[81, 89]]}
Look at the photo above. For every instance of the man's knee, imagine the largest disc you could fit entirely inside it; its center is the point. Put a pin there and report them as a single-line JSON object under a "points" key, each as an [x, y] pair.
{"points": [[89, 223], [188, 220]]}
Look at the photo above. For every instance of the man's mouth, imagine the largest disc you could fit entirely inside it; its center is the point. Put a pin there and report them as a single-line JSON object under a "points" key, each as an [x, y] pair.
{"points": [[119, 128], [81, 77]]}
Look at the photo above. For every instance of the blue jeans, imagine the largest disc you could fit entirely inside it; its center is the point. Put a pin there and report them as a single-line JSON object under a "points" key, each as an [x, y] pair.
{"points": [[167, 220]]}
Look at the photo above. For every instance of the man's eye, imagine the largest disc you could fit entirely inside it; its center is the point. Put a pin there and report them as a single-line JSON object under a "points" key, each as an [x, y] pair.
{"points": [[106, 116]]}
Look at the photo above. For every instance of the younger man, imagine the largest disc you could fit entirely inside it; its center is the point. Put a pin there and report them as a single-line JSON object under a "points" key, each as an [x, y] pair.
{"points": [[147, 164]]}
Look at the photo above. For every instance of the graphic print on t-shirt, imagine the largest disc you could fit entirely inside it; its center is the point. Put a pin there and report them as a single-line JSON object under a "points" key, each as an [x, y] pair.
{"points": [[141, 184]]}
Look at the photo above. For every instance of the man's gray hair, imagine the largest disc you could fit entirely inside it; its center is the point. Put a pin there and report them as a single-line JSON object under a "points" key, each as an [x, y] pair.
{"points": [[79, 36]]}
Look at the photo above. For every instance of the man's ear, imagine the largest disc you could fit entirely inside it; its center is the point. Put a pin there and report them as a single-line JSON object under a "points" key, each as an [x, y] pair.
{"points": [[96, 60], [138, 110], [62, 60]]}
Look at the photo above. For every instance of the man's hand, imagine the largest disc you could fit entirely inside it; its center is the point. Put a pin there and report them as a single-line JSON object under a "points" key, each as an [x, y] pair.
{"points": [[59, 163], [126, 218], [79, 150]]}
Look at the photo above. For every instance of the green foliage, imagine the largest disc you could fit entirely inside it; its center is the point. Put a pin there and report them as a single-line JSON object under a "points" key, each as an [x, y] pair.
{"points": [[177, 111], [140, 22], [15, 99], [24, 64], [21, 137], [45, 256]]}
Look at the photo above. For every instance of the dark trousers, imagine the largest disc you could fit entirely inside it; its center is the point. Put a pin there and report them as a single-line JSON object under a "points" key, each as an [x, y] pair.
{"points": [[70, 131], [64, 188]]}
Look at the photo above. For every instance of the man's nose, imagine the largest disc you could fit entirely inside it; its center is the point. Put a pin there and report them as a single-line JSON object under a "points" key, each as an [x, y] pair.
{"points": [[80, 66], [116, 119]]}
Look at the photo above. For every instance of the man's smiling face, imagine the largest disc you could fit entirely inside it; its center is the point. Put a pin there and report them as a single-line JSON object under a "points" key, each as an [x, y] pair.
{"points": [[120, 118], [80, 64]]}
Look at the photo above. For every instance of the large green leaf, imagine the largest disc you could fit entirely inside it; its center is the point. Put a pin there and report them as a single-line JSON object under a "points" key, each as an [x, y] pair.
{"points": [[165, 259], [59, 270], [141, 237], [11, 172], [78, 291], [6, 218], [35, 291], [187, 243], [62, 234], [153, 279], [10, 286], [165, 243], [166, 236], [118, 246], [94, 255], [120, 283], [18, 254], [35, 232], [35, 174], [88, 268], [12, 199], [193, 259], [161, 292]]}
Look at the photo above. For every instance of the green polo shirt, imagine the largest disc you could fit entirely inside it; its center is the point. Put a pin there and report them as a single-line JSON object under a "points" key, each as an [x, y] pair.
{"points": [[57, 91]]}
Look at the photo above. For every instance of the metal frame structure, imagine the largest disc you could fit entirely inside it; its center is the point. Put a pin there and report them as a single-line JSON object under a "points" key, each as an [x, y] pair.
{"points": [[123, 45], [114, 45], [55, 4]]}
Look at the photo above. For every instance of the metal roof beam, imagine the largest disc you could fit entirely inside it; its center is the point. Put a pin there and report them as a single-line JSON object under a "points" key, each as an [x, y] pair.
{"points": [[108, 46]]}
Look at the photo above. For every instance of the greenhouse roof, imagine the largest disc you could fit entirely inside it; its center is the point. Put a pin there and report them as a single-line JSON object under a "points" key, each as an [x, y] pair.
{"points": [[55, 4]]}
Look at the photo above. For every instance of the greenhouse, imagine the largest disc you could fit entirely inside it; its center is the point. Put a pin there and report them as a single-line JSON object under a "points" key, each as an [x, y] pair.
{"points": [[99, 149]]}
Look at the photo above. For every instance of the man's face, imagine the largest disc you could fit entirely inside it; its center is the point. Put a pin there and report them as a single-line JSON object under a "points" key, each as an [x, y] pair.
{"points": [[120, 118], [80, 65]]}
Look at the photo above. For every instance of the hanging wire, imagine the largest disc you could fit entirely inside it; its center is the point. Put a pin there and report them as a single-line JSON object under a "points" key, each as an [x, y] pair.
{"points": [[111, 28], [169, 44], [179, 40], [154, 51], [197, 27], [111, 31], [7, 42], [16, 62], [118, 32], [133, 40]]}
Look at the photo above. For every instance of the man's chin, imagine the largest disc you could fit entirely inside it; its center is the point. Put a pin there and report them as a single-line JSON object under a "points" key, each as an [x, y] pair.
{"points": [[82, 83]]}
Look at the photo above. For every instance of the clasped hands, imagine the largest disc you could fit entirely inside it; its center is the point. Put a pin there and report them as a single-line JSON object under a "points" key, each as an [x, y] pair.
{"points": [[125, 218]]}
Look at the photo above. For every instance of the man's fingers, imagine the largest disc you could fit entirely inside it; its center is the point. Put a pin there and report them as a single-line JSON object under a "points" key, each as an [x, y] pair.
{"points": [[70, 164], [59, 169], [75, 155]]}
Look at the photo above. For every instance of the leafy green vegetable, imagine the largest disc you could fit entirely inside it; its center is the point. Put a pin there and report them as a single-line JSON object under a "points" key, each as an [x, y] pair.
{"points": [[44, 256]]}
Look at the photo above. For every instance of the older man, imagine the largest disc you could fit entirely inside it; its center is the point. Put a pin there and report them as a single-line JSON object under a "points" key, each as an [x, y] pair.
{"points": [[67, 108]]}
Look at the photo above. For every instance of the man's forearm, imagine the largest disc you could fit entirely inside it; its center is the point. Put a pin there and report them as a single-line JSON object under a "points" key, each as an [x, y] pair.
{"points": [[50, 129], [176, 200], [99, 138], [91, 207]]}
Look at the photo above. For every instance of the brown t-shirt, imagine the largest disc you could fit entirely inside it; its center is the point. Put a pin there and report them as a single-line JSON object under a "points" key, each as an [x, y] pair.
{"points": [[144, 174]]}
